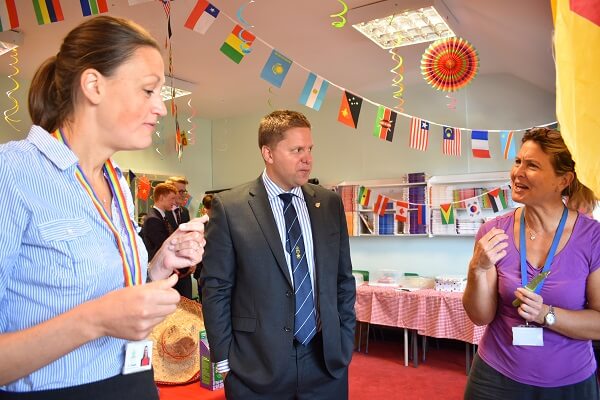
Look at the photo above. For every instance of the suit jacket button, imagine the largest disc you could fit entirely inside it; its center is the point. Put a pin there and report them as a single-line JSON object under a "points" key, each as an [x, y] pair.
{"points": [[288, 294], [287, 329]]}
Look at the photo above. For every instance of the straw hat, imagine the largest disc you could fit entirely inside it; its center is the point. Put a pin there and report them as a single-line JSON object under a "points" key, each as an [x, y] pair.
{"points": [[175, 355]]}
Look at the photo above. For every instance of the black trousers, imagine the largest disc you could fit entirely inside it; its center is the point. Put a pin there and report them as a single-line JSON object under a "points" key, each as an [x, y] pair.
{"points": [[485, 383], [139, 386], [306, 378]]}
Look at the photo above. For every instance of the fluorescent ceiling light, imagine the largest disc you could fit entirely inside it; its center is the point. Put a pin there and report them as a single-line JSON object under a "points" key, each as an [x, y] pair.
{"points": [[166, 92], [406, 28]]}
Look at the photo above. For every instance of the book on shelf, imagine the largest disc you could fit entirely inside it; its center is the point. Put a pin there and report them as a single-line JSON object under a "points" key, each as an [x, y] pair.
{"points": [[366, 223]]}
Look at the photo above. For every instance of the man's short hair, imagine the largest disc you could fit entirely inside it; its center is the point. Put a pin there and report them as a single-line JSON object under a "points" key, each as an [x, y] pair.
{"points": [[163, 189], [177, 179], [273, 126], [207, 201]]}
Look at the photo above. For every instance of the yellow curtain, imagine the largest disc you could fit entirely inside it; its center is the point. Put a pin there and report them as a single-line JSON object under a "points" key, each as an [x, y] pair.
{"points": [[577, 52]]}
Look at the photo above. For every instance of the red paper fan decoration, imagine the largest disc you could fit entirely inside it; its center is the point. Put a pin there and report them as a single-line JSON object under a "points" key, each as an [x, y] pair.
{"points": [[449, 64]]}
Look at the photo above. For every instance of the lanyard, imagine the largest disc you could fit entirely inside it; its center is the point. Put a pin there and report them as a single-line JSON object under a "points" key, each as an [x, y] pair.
{"points": [[551, 253], [132, 274]]}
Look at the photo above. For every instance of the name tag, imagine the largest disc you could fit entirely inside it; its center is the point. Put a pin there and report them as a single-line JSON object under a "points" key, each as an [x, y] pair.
{"points": [[138, 357], [528, 335]]}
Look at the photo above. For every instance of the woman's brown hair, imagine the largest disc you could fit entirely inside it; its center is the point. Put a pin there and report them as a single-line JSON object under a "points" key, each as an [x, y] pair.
{"points": [[102, 43]]}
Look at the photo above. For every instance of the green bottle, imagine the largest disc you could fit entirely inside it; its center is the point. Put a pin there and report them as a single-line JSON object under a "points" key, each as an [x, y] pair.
{"points": [[532, 285]]}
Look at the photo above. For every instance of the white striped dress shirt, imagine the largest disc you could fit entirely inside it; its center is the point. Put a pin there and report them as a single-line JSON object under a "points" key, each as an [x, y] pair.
{"points": [[56, 252]]}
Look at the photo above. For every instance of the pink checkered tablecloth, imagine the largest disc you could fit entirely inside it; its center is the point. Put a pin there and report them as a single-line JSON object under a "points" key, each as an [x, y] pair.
{"points": [[430, 312]]}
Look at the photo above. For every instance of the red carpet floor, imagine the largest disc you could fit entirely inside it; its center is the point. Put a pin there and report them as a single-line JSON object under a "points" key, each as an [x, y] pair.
{"points": [[381, 374]]}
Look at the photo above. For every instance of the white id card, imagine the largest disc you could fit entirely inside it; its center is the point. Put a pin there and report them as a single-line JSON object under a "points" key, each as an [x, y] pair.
{"points": [[528, 335], [138, 357]]}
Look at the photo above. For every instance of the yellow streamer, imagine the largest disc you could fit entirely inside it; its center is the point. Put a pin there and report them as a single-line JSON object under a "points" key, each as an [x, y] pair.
{"points": [[342, 21], [269, 102], [397, 81], [191, 134], [9, 93]]}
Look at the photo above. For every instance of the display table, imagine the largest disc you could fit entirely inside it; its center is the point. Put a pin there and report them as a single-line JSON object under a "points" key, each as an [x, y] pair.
{"points": [[426, 312]]}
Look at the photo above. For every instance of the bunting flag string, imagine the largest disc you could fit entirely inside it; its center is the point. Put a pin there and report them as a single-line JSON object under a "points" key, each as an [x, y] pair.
{"points": [[495, 195], [400, 113]]}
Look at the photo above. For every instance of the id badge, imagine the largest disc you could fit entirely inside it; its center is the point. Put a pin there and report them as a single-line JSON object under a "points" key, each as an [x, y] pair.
{"points": [[528, 335], [138, 357]]}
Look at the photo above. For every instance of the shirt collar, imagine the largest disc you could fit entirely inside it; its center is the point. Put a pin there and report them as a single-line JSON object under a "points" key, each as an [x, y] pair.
{"points": [[274, 191], [162, 213], [58, 153]]}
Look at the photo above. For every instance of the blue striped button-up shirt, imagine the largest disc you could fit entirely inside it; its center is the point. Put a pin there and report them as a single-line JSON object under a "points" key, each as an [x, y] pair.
{"points": [[273, 192], [56, 252]]}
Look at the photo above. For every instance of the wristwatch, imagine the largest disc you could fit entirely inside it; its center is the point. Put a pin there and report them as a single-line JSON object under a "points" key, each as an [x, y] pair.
{"points": [[550, 318]]}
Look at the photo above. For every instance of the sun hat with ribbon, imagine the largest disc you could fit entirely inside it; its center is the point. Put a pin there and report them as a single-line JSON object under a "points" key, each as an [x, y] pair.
{"points": [[175, 355]]}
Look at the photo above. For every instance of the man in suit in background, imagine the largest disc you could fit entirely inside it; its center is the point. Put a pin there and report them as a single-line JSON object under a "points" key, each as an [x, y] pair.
{"points": [[277, 287], [177, 215], [156, 227]]}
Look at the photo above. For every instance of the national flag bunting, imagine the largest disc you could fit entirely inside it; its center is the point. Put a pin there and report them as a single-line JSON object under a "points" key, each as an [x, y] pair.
{"points": [[276, 68], [237, 44], [93, 7], [350, 109], [167, 7], [130, 177], [364, 195], [497, 199], [421, 217], [381, 204], [143, 188], [401, 211], [480, 144], [8, 15], [47, 11], [447, 212], [314, 91], [385, 123], [451, 145], [202, 17], [419, 134], [507, 144], [473, 208]]}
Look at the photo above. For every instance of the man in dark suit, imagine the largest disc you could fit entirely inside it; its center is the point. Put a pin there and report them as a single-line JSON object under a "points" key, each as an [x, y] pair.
{"points": [[180, 214], [156, 227], [277, 285]]}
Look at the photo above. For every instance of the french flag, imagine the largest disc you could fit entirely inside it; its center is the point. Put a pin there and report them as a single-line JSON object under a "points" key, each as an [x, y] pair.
{"points": [[480, 144]]}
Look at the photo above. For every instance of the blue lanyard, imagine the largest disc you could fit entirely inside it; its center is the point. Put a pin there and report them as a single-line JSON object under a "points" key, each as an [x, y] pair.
{"points": [[555, 241]]}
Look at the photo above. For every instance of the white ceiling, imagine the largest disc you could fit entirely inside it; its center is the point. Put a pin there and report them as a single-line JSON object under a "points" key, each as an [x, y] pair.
{"points": [[512, 37]]}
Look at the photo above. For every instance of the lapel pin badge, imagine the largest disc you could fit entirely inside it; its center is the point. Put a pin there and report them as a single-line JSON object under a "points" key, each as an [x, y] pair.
{"points": [[317, 205]]}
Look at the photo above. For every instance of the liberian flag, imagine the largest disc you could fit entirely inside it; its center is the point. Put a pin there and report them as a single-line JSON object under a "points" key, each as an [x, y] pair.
{"points": [[451, 143], [364, 195], [381, 204], [508, 144], [47, 11], [401, 211], [385, 123], [497, 199], [480, 144], [447, 212], [314, 92], [419, 134], [93, 7], [8, 15], [202, 17]]}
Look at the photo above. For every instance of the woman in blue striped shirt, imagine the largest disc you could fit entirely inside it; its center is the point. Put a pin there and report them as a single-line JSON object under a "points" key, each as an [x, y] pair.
{"points": [[73, 298]]}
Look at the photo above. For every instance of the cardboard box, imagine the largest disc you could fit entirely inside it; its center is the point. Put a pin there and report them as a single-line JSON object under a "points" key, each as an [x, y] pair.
{"points": [[209, 377]]}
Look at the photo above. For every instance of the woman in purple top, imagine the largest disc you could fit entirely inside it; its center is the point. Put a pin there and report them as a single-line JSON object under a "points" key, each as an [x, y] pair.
{"points": [[552, 358]]}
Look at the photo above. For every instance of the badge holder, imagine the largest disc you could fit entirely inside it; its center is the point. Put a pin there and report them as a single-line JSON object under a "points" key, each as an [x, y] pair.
{"points": [[138, 357], [528, 335]]}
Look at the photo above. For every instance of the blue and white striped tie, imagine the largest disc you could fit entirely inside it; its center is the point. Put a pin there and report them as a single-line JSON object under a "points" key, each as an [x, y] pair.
{"points": [[305, 325]]}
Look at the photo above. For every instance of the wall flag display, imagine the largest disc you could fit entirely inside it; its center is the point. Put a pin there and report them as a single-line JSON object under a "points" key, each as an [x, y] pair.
{"points": [[237, 44], [314, 91], [451, 145], [507, 142], [202, 17], [419, 134]]}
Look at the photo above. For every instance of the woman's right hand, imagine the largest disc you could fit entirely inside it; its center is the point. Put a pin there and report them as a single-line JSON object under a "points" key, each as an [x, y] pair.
{"points": [[132, 312], [488, 250]]}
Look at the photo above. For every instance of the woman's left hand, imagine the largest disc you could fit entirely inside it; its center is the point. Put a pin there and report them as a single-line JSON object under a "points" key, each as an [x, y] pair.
{"points": [[184, 248], [532, 308]]}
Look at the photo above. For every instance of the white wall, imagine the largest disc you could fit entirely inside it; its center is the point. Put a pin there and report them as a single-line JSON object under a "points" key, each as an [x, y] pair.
{"points": [[341, 153]]}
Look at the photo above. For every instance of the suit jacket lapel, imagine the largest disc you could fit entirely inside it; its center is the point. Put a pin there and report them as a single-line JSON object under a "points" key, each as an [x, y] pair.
{"points": [[259, 203]]}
